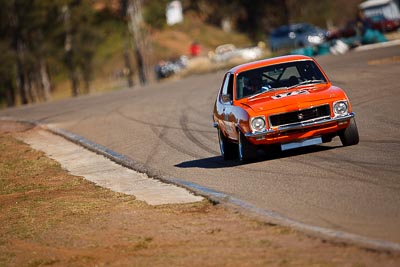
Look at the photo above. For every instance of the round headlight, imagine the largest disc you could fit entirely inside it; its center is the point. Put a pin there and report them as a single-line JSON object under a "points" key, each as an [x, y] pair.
{"points": [[340, 108], [258, 124]]}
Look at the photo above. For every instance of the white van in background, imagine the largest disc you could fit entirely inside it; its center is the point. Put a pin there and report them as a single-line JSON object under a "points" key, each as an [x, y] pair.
{"points": [[386, 8]]}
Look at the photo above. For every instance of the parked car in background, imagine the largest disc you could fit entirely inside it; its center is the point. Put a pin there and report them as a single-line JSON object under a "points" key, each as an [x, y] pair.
{"points": [[387, 8], [348, 30], [227, 52], [285, 102], [165, 69], [382, 24], [296, 35], [383, 15]]}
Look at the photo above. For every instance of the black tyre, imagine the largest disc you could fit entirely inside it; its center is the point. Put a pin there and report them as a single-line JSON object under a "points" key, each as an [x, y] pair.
{"points": [[349, 136], [327, 138], [228, 149], [247, 151]]}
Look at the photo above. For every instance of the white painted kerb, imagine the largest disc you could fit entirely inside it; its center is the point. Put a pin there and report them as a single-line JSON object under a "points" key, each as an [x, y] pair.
{"points": [[106, 173]]}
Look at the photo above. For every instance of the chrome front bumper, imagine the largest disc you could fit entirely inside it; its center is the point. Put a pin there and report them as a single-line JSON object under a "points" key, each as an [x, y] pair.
{"points": [[300, 125]]}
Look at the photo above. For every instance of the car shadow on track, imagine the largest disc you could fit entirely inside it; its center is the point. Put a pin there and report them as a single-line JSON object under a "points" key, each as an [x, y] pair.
{"points": [[217, 162]]}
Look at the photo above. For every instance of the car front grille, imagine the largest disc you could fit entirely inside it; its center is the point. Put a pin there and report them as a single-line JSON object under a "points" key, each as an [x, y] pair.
{"points": [[299, 116]]}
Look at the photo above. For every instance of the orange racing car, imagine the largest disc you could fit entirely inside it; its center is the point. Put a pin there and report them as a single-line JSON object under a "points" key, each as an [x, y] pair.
{"points": [[286, 101]]}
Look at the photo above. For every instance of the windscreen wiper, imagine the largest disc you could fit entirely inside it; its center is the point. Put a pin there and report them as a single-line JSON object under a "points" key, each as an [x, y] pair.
{"points": [[306, 82], [264, 89]]}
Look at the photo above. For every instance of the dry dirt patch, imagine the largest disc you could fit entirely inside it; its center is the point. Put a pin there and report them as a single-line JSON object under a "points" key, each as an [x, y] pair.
{"points": [[50, 218]]}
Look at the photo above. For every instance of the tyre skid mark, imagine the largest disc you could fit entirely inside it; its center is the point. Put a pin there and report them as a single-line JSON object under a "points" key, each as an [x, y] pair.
{"points": [[335, 170], [154, 124], [188, 133]]}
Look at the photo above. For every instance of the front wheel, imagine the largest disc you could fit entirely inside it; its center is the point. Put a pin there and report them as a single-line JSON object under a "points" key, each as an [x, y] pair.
{"points": [[349, 136], [228, 149], [247, 151]]}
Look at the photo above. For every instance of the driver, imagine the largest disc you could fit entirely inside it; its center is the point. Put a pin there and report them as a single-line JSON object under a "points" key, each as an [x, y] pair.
{"points": [[253, 86]]}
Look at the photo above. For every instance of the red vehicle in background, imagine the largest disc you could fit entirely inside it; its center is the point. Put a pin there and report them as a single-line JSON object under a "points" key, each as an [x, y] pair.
{"points": [[383, 15], [382, 24]]}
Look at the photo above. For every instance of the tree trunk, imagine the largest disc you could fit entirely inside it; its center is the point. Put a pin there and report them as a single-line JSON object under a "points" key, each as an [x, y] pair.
{"points": [[21, 77], [10, 93], [45, 80], [69, 52], [74, 77], [86, 86], [128, 67], [32, 88], [141, 67], [135, 21]]}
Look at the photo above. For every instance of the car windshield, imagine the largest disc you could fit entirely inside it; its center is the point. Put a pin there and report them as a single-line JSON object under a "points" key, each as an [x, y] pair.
{"points": [[276, 77]]}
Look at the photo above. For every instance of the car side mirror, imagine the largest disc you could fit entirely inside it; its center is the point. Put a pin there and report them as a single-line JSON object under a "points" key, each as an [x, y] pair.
{"points": [[226, 98]]}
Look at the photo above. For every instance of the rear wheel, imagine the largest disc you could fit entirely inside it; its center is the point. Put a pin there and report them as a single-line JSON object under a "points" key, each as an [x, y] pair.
{"points": [[228, 149], [247, 151], [349, 136]]}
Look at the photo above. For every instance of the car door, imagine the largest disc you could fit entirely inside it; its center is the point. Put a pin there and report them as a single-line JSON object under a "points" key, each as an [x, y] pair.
{"points": [[228, 118]]}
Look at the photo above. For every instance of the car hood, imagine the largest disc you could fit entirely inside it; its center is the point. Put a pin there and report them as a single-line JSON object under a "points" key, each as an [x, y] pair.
{"points": [[293, 99]]}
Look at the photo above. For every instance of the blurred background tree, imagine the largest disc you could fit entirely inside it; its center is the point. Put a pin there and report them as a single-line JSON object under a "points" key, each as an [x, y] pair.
{"points": [[7, 57], [81, 38]]}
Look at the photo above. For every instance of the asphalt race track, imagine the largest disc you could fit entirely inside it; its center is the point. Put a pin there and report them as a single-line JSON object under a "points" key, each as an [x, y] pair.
{"points": [[168, 127]]}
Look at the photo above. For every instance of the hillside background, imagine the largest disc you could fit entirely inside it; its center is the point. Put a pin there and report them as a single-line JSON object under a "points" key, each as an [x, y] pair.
{"points": [[57, 49]]}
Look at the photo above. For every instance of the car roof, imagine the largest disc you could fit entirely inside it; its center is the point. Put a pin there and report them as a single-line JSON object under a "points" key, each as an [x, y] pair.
{"points": [[266, 62], [373, 3]]}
